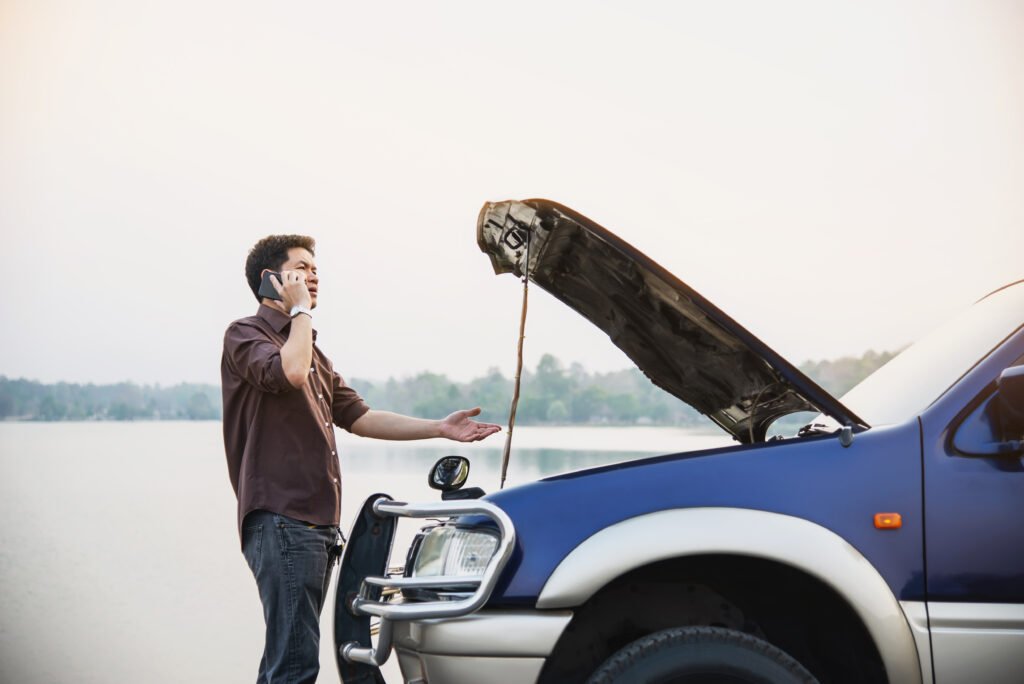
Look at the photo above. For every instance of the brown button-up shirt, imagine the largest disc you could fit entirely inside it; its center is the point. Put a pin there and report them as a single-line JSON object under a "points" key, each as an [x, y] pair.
{"points": [[279, 440]]}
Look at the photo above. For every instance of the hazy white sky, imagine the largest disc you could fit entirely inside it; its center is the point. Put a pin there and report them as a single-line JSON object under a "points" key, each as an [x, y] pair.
{"points": [[836, 176]]}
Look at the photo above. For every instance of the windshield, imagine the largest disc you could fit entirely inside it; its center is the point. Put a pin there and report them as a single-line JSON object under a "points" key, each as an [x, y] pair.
{"points": [[922, 373]]}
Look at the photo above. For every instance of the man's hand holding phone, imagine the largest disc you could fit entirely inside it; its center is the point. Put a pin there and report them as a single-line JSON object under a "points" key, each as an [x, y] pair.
{"points": [[287, 287]]}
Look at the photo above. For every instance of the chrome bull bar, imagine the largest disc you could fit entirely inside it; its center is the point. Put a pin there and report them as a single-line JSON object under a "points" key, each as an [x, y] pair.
{"points": [[481, 586]]}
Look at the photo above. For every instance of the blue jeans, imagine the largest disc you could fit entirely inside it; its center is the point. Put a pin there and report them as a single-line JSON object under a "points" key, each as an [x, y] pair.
{"points": [[291, 561]]}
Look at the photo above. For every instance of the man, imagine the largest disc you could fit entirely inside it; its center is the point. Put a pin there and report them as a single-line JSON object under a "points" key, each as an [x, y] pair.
{"points": [[281, 397]]}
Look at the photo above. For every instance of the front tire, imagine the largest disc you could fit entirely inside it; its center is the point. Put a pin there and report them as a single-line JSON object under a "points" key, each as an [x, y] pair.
{"points": [[700, 655]]}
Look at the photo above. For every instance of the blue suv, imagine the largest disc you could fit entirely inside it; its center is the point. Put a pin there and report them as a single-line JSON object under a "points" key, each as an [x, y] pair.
{"points": [[882, 542]]}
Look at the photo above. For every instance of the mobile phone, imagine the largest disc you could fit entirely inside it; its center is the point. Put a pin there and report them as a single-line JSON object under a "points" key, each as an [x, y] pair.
{"points": [[267, 287]]}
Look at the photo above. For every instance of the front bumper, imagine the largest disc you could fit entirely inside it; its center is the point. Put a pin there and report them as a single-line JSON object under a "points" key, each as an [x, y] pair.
{"points": [[436, 641], [487, 647]]}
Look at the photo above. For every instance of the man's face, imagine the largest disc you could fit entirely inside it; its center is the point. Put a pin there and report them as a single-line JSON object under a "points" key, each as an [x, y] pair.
{"points": [[299, 259]]}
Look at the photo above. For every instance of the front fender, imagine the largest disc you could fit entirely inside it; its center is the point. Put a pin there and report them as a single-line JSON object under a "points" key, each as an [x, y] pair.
{"points": [[801, 544]]}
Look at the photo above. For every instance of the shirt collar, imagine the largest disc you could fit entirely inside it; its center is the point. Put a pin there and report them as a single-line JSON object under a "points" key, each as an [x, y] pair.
{"points": [[277, 319]]}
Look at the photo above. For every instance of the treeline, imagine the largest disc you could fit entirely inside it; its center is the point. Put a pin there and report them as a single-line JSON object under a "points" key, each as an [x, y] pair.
{"points": [[838, 376], [552, 393], [30, 400]]}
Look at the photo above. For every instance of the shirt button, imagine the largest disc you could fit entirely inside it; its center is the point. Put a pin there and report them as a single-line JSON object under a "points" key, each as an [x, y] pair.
{"points": [[319, 396], [335, 480], [327, 423], [333, 454]]}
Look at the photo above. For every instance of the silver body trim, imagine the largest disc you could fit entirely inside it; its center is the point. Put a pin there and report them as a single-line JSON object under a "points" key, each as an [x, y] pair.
{"points": [[796, 542], [487, 647], [985, 616], [391, 612], [433, 669], [917, 618], [981, 643], [514, 633]]}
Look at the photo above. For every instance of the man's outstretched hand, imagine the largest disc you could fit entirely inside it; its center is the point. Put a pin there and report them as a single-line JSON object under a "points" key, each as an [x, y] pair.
{"points": [[460, 428]]}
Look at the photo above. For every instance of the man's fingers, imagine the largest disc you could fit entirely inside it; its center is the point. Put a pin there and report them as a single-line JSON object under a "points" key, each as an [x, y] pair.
{"points": [[485, 431], [466, 430], [479, 431]]}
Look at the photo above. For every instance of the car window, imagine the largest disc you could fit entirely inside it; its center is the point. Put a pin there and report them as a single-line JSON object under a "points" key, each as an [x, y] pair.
{"points": [[980, 432]]}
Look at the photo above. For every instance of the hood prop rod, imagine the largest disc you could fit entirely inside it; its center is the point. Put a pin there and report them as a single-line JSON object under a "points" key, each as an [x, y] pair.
{"points": [[519, 363]]}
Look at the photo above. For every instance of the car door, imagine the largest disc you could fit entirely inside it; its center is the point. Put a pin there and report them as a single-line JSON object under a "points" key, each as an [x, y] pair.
{"points": [[974, 529]]}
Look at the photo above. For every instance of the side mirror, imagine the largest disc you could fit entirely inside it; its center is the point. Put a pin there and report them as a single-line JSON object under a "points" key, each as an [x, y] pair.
{"points": [[449, 473], [1010, 388]]}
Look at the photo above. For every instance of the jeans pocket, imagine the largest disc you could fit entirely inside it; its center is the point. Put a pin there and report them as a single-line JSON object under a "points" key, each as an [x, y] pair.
{"points": [[252, 547], [285, 521]]}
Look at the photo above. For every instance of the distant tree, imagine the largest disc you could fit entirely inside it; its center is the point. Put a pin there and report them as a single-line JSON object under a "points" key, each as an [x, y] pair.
{"points": [[51, 409], [121, 410], [838, 376], [624, 408], [435, 395], [589, 405], [199, 407], [492, 392], [557, 412], [551, 378]]}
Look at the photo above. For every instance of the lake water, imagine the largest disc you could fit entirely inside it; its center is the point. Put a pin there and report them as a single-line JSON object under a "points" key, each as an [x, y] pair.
{"points": [[119, 555]]}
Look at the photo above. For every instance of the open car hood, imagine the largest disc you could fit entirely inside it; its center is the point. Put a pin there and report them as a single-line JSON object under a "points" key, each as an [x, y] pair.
{"points": [[681, 341]]}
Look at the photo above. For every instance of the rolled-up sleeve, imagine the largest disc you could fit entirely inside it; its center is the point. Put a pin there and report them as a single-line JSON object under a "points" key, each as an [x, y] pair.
{"points": [[255, 358], [346, 404]]}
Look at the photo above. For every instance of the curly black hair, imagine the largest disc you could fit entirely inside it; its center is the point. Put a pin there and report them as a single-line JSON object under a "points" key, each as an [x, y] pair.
{"points": [[271, 252]]}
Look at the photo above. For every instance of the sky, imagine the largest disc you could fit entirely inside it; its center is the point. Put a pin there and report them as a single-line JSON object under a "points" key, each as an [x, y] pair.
{"points": [[836, 176]]}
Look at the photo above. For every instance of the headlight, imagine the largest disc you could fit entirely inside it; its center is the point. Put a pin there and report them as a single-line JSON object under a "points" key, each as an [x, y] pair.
{"points": [[450, 551]]}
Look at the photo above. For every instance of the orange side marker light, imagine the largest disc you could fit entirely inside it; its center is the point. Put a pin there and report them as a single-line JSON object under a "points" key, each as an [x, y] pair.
{"points": [[888, 521]]}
